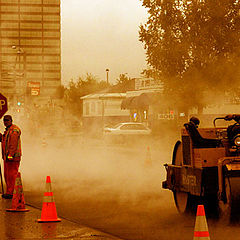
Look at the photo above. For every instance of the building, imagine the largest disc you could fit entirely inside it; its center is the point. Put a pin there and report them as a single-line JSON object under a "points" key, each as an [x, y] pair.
{"points": [[102, 109], [30, 48], [144, 104]]}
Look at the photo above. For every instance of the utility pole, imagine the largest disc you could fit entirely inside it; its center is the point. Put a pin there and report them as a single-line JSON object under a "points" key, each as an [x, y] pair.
{"points": [[107, 70], [20, 74]]}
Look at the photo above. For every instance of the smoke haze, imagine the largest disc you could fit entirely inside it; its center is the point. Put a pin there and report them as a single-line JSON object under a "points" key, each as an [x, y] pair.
{"points": [[102, 34]]}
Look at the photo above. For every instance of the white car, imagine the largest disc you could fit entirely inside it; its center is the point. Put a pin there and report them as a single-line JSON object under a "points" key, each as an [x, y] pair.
{"points": [[123, 131]]}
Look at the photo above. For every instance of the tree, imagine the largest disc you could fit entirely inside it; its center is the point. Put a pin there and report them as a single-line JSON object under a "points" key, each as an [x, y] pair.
{"points": [[124, 83], [60, 92], [123, 79], [194, 46], [83, 86]]}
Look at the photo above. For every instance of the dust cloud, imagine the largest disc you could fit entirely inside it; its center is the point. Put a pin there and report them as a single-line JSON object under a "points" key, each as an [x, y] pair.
{"points": [[84, 166], [89, 172], [74, 161], [92, 173]]}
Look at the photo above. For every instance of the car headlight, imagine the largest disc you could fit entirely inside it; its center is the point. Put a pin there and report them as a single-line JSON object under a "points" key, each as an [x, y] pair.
{"points": [[237, 140]]}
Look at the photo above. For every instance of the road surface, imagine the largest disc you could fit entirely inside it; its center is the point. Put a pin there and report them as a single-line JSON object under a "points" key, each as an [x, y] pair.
{"points": [[112, 188]]}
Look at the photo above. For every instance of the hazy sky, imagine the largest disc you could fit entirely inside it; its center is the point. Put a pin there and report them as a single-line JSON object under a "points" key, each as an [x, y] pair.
{"points": [[100, 34]]}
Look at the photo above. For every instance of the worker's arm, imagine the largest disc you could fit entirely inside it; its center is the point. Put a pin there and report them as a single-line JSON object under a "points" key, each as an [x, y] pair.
{"points": [[13, 144]]}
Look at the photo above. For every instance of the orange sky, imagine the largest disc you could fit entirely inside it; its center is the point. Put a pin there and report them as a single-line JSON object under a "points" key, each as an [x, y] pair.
{"points": [[100, 34]]}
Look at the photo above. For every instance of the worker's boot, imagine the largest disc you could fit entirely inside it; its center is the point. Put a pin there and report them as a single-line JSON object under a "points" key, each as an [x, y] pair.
{"points": [[7, 196]]}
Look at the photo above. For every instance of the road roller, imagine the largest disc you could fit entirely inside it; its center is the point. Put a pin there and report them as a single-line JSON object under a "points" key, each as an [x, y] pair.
{"points": [[205, 167]]}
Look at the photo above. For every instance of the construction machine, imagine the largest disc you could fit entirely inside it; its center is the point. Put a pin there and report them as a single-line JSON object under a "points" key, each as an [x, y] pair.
{"points": [[205, 168]]}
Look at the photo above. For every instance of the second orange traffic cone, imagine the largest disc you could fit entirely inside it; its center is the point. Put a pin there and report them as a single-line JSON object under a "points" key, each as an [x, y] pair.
{"points": [[18, 202], [49, 212], [201, 227], [44, 143]]}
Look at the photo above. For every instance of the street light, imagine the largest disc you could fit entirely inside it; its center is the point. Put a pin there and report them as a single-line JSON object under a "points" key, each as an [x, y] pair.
{"points": [[20, 88], [107, 70], [19, 50]]}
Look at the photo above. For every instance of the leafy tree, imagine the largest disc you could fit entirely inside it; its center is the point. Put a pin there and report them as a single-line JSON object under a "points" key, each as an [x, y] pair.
{"points": [[60, 92], [83, 86], [193, 46], [123, 79], [124, 83]]}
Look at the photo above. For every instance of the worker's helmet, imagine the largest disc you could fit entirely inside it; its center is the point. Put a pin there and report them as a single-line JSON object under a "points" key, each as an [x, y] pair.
{"points": [[195, 120], [7, 117]]}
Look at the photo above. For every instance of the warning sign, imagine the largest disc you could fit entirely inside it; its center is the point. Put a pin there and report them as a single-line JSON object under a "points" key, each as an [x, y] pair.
{"points": [[35, 88], [3, 105]]}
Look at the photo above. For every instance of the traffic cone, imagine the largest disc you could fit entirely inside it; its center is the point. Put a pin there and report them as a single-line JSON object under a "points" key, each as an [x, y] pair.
{"points": [[18, 202], [44, 143], [148, 160], [201, 228], [49, 212]]}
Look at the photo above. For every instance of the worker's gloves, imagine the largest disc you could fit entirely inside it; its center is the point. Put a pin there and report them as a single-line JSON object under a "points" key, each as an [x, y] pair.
{"points": [[229, 117], [9, 158]]}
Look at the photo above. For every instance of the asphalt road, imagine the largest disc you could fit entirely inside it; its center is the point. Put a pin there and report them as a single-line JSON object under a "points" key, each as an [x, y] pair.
{"points": [[113, 188]]}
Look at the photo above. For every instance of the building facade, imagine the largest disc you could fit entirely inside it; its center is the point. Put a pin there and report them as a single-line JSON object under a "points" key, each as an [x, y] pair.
{"points": [[102, 109], [146, 104], [30, 48]]}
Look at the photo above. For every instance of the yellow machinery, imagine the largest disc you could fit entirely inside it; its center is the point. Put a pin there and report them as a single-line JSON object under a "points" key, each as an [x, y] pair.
{"points": [[206, 168]]}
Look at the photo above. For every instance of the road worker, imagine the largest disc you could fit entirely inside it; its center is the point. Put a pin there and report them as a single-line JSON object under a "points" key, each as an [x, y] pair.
{"points": [[197, 140], [11, 154]]}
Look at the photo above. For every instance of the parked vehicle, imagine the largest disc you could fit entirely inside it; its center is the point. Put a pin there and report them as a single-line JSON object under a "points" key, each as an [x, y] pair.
{"points": [[205, 169], [124, 131]]}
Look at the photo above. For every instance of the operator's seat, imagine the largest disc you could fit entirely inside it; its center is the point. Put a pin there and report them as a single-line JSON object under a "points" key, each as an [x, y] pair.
{"points": [[197, 140]]}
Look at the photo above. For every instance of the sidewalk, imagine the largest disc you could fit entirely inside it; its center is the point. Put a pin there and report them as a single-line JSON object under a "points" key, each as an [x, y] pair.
{"points": [[24, 225]]}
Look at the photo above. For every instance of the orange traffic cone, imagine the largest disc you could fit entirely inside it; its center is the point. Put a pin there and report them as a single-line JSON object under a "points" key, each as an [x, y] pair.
{"points": [[148, 160], [44, 143], [201, 228], [18, 202], [49, 212]]}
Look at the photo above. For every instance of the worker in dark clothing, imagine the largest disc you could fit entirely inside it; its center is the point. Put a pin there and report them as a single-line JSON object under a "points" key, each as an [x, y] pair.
{"points": [[11, 154], [195, 121], [197, 140]]}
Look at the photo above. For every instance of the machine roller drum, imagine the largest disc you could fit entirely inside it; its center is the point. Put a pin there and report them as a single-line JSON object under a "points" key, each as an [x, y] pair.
{"points": [[182, 199], [230, 207]]}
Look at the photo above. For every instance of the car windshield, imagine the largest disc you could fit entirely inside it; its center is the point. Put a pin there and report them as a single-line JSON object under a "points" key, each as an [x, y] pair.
{"points": [[133, 127], [129, 126], [117, 125]]}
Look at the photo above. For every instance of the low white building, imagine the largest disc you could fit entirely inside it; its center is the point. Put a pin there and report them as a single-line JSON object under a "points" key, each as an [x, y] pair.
{"points": [[102, 109]]}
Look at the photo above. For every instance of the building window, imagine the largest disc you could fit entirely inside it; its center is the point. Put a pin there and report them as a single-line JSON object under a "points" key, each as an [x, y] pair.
{"points": [[87, 108], [93, 107], [99, 108], [147, 83]]}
